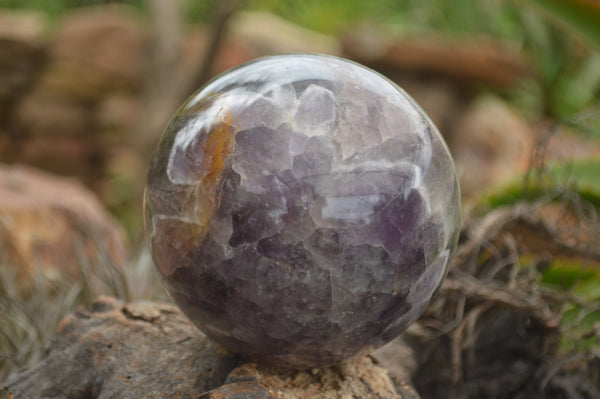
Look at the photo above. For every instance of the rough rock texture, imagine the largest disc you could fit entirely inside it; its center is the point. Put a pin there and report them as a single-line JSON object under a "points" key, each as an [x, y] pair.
{"points": [[302, 209], [118, 350], [151, 350], [355, 378], [52, 224]]}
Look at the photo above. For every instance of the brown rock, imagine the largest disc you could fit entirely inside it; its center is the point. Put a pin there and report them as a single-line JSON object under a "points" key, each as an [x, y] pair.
{"points": [[5, 144], [52, 224], [491, 144], [480, 60], [151, 350], [231, 54], [23, 26], [72, 156], [95, 51], [354, 378], [117, 116], [125, 351], [41, 114], [21, 52]]}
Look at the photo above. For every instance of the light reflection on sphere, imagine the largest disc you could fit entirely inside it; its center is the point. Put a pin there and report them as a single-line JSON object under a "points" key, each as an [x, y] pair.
{"points": [[302, 209]]}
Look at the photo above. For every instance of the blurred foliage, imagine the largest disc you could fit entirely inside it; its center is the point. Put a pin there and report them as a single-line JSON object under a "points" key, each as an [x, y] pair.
{"points": [[580, 283], [568, 66], [567, 274], [55, 7], [576, 185], [580, 15], [580, 177], [333, 16], [199, 11], [584, 174]]}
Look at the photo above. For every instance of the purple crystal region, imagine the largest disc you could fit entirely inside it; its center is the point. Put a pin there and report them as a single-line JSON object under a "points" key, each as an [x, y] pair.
{"points": [[302, 209]]}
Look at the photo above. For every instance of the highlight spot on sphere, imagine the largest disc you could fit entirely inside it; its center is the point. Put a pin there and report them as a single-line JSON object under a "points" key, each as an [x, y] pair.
{"points": [[302, 209]]}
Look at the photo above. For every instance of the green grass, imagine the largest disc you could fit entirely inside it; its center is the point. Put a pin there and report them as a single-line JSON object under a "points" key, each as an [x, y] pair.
{"points": [[580, 177], [56, 7], [568, 274], [581, 314], [582, 16]]}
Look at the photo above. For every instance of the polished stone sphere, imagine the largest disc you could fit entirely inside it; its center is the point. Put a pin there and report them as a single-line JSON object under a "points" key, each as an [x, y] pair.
{"points": [[302, 209]]}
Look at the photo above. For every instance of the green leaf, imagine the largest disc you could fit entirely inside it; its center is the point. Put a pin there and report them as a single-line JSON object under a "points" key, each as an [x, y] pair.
{"points": [[581, 315], [579, 176], [589, 290], [585, 174], [582, 16], [577, 91], [569, 274]]}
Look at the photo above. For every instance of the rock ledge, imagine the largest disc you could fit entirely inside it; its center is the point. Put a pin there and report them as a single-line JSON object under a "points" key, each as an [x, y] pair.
{"points": [[151, 350]]}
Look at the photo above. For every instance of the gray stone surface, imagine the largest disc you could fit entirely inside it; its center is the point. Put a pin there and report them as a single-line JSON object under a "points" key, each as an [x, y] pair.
{"points": [[125, 351]]}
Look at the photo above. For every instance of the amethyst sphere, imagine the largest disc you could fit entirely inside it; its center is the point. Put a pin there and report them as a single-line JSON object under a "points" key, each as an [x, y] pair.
{"points": [[302, 209]]}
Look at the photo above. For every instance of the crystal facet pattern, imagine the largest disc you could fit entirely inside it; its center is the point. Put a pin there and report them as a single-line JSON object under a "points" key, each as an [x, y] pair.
{"points": [[302, 209]]}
